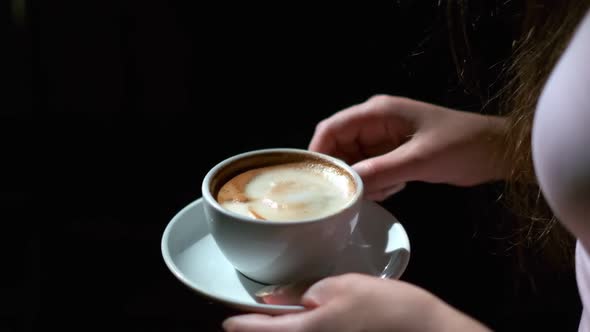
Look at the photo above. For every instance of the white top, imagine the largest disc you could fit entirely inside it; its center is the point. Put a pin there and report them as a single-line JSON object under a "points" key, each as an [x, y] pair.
{"points": [[561, 150]]}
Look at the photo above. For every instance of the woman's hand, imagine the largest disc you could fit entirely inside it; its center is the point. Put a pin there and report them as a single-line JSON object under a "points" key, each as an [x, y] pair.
{"points": [[355, 302], [392, 140]]}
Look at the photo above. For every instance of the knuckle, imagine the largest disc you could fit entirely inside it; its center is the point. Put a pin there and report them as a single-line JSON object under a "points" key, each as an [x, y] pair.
{"points": [[379, 101], [382, 106], [371, 169], [379, 98], [385, 101], [422, 152], [354, 277], [337, 282], [348, 279], [322, 126]]}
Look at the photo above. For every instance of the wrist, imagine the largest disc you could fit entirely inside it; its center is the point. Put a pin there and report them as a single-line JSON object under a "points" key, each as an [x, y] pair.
{"points": [[496, 141]]}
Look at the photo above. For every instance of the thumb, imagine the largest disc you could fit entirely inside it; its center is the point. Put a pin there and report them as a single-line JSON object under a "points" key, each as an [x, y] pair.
{"points": [[386, 171], [324, 290], [283, 294], [265, 323], [307, 293]]}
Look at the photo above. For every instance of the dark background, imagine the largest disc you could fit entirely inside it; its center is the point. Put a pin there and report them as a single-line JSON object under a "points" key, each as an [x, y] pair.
{"points": [[116, 109]]}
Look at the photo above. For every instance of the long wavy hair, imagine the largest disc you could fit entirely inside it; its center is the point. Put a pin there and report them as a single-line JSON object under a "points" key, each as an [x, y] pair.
{"points": [[543, 30]]}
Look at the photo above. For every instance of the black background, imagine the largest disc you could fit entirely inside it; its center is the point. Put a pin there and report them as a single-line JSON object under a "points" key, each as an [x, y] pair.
{"points": [[116, 109]]}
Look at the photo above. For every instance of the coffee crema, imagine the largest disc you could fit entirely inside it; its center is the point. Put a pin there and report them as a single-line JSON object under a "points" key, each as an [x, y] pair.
{"points": [[288, 192]]}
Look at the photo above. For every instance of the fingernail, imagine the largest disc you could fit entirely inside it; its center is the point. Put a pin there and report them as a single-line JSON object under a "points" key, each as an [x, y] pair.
{"points": [[360, 167], [267, 290], [395, 189], [225, 325]]}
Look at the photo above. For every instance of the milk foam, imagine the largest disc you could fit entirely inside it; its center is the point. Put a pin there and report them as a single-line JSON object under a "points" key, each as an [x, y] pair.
{"points": [[287, 192]]}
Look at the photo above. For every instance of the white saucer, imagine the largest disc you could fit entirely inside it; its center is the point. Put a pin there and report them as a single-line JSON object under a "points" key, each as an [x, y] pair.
{"points": [[379, 247]]}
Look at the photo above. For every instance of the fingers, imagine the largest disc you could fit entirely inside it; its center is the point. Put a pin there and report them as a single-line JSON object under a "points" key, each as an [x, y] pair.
{"points": [[337, 135], [321, 317], [373, 136], [305, 292], [283, 294], [357, 132], [265, 323], [383, 174], [330, 129], [324, 290]]}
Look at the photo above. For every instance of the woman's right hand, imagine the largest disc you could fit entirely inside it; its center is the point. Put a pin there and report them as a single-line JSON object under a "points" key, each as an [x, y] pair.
{"points": [[392, 140]]}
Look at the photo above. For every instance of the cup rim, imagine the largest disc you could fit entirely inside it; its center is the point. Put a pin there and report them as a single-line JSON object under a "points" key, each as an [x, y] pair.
{"points": [[208, 197]]}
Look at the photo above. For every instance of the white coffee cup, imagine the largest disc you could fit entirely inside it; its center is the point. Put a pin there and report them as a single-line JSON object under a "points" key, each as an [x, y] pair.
{"points": [[279, 252]]}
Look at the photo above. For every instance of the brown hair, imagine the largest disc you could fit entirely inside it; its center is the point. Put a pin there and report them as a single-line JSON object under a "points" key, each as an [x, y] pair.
{"points": [[546, 29]]}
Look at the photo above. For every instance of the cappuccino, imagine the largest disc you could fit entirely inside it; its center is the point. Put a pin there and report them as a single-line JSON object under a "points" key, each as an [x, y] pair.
{"points": [[296, 190], [282, 215]]}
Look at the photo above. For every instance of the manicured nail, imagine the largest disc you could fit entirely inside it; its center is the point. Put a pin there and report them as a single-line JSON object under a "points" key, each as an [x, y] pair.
{"points": [[267, 290]]}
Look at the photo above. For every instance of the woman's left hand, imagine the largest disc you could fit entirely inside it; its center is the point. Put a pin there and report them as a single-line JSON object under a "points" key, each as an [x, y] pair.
{"points": [[355, 302]]}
